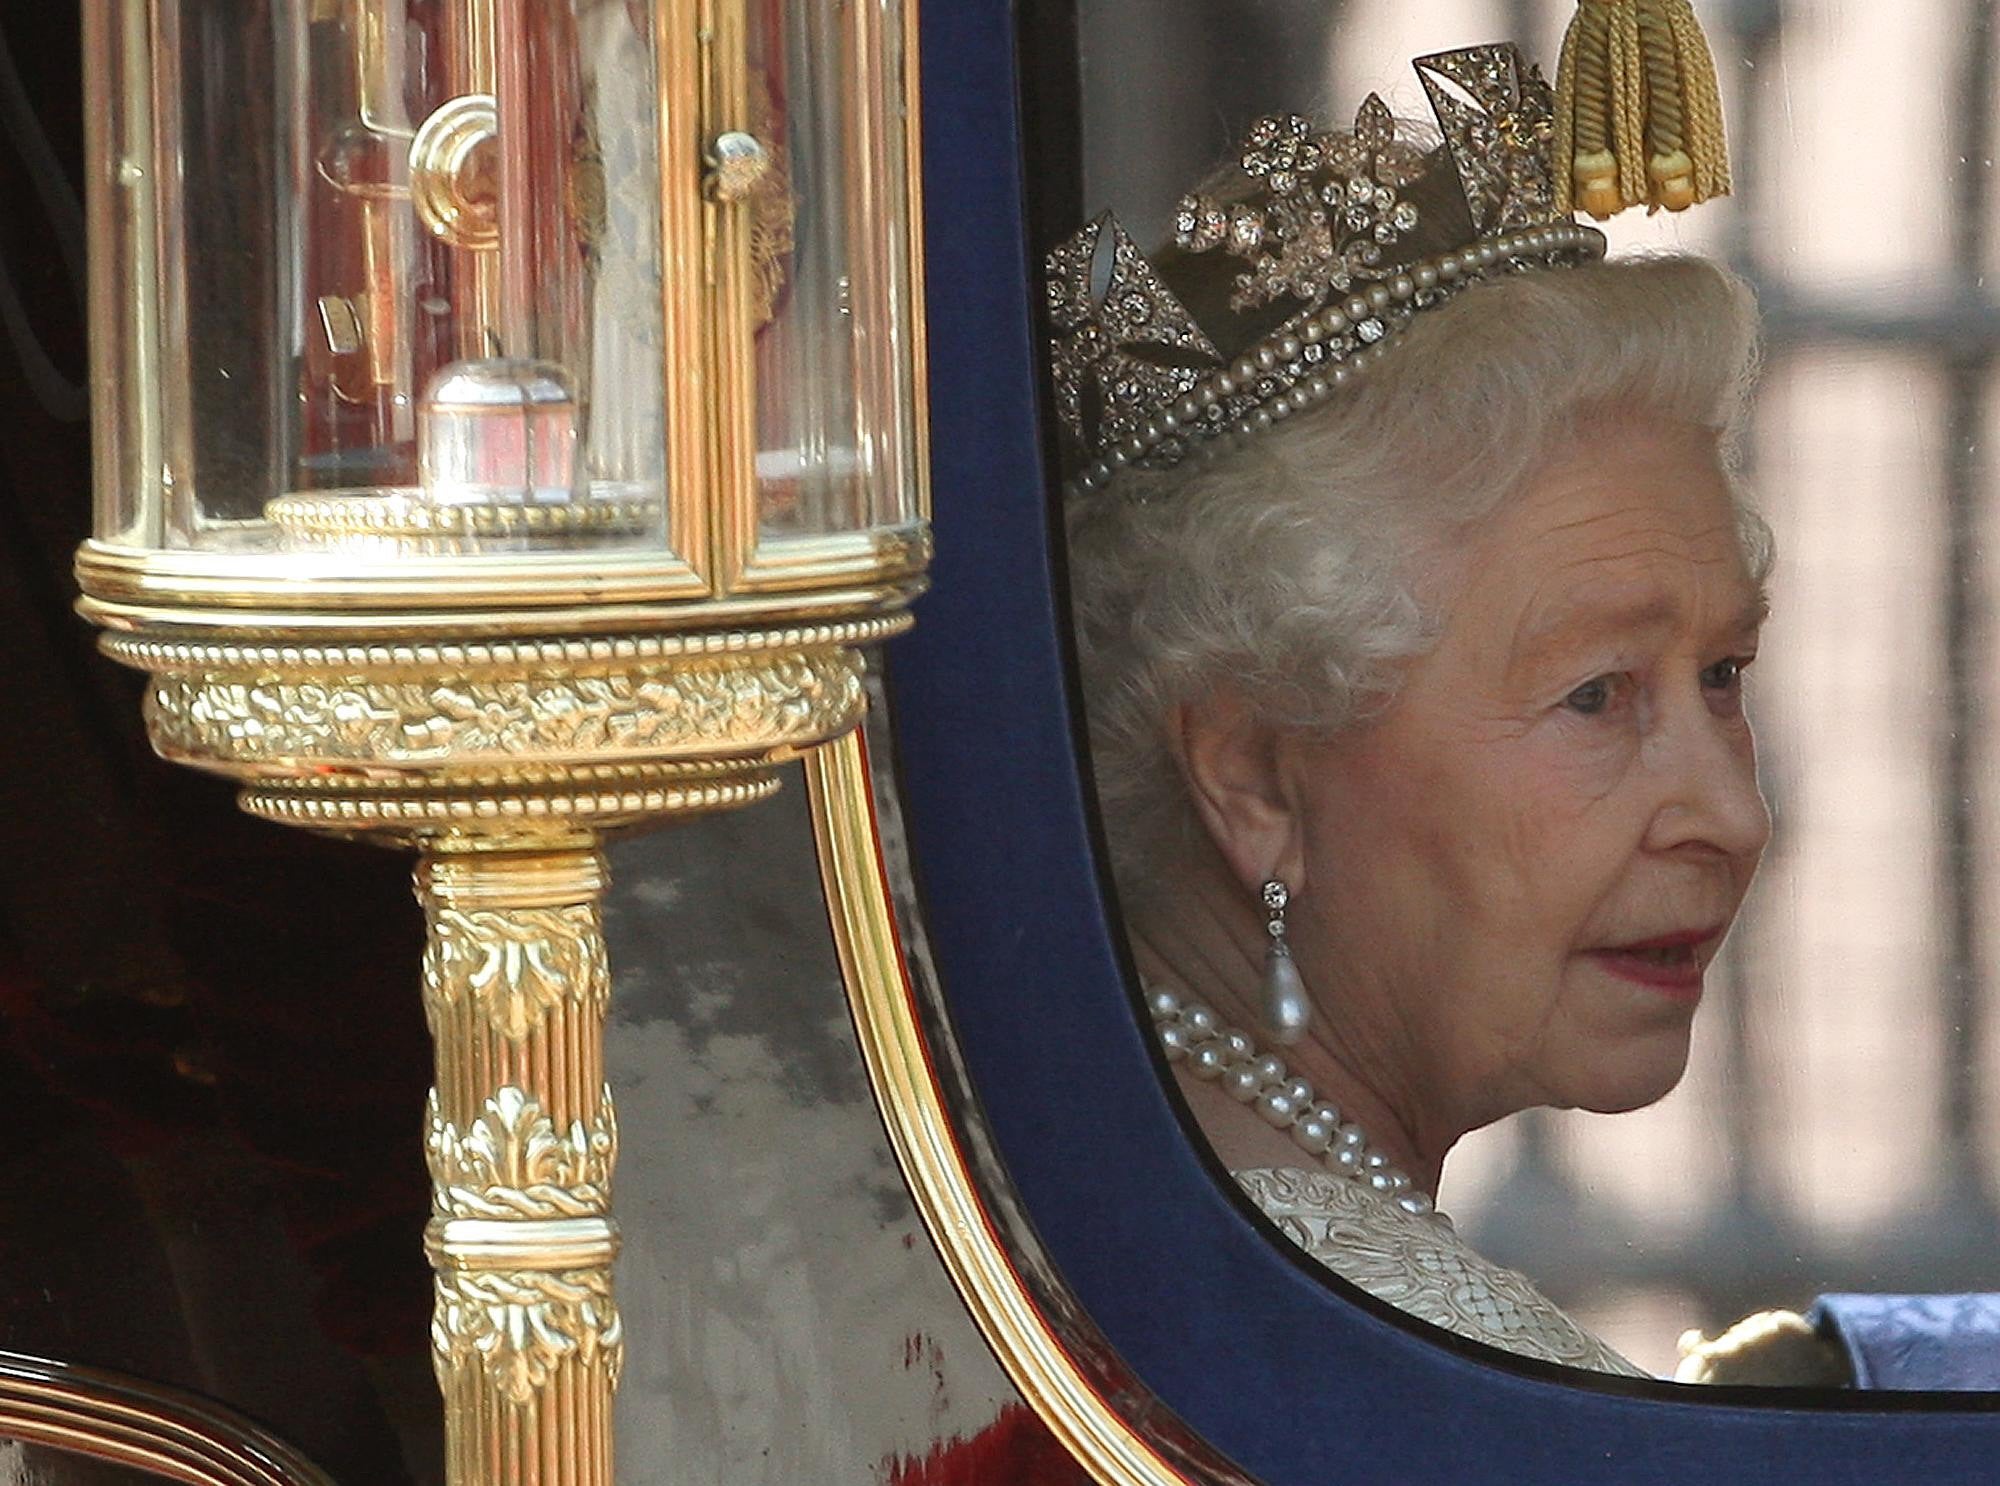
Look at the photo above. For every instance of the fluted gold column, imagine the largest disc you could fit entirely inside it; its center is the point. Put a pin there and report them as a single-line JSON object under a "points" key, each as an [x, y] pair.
{"points": [[526, 1337]]}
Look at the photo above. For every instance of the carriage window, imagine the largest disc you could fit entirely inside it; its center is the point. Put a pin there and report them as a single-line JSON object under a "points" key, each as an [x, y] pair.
{"points": [[1835, 1127]]}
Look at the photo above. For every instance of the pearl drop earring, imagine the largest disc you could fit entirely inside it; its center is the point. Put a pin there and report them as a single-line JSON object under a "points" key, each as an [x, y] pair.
{"points": [[1286, 1009]]}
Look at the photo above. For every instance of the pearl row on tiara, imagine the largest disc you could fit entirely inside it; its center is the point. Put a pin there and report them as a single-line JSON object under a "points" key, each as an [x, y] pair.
{"points": [[1189, 1032], [1368, 317]]}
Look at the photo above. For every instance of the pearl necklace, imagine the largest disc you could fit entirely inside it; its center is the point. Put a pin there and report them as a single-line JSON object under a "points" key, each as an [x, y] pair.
{"points": [[1191, 1033]]}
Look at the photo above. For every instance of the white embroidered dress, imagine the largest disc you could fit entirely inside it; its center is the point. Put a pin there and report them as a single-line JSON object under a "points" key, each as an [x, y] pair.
{"points": [[1420, 1265]]}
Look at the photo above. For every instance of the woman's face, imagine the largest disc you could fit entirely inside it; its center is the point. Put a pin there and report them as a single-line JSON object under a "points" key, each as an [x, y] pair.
{"points": [[1519, 873]]}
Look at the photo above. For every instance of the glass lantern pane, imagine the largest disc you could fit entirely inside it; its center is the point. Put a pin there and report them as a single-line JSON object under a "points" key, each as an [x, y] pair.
{"points": [[388, 270], [837, 442], [127, 468]]}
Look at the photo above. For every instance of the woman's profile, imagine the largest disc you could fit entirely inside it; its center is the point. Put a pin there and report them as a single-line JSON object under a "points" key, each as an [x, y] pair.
{"points": [[1414, 593]]}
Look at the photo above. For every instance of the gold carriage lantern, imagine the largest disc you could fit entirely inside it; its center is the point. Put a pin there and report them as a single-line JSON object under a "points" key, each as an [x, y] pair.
{"points": [[508, 429]]}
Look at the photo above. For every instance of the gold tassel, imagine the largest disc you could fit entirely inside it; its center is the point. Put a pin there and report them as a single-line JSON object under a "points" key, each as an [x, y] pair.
{"points": [[1638, 110]]}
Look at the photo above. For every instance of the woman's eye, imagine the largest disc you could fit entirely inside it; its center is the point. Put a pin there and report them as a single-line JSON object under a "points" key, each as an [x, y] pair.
{"points": [[1592, 697], [1724, 675]]}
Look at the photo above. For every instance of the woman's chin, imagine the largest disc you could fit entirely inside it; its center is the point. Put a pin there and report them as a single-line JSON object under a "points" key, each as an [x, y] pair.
{"points": [[1634, 1076]]}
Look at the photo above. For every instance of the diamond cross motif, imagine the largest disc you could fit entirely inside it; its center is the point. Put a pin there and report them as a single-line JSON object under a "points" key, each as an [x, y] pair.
{"points": [[1127, 345], [1498, 118]]}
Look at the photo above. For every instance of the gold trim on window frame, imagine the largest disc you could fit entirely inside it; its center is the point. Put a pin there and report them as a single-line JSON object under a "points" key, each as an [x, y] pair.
{"points": [[913, 1107]]}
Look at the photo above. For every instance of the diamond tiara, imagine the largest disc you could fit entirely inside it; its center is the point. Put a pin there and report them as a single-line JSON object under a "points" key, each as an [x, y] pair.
{"points": [[1342, 238]]}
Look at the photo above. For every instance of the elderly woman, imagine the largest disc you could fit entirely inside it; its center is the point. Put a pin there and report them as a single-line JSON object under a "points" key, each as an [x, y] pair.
{"points": [[1417, 692]]}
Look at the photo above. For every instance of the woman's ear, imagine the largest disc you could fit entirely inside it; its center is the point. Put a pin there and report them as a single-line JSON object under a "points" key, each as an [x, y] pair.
{"points": [[1231, 762]]}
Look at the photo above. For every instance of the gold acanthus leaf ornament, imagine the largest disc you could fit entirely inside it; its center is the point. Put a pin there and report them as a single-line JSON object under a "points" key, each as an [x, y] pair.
{"points": [[738, 704], [519, 1326], [514, 1163], [515, 964]]}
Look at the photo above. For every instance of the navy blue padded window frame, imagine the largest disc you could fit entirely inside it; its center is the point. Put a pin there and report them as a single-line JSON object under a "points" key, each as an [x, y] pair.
{"points": [[1294, 1378]]}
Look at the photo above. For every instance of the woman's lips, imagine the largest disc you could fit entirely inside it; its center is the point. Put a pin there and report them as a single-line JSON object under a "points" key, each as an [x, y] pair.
{"points": [[1672, 963]]}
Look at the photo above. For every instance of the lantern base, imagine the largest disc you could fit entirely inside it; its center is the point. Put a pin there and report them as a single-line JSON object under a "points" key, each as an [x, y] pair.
{"points": [[505, 761], [508, 739]]}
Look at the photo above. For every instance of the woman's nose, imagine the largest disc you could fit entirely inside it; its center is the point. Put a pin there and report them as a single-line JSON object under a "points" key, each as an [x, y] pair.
{"points": [[1707, 767]]}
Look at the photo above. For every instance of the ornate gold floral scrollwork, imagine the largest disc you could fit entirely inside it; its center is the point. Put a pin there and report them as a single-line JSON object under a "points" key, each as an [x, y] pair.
{"points": [[721, 704], [514, 1163], [515, 964], [519, 1326]]}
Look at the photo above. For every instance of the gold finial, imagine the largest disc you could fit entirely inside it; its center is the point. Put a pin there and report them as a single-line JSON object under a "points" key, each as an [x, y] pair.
{"points": [[1638, 110]]}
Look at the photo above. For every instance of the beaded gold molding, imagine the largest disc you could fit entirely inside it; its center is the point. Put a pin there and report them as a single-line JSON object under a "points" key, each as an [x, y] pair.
{"points": [[148, 653], [496, 814], [335, 518]]}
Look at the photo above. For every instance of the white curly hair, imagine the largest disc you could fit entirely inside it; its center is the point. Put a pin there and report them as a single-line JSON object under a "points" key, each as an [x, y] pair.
{"points": [[1283, 566]]}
